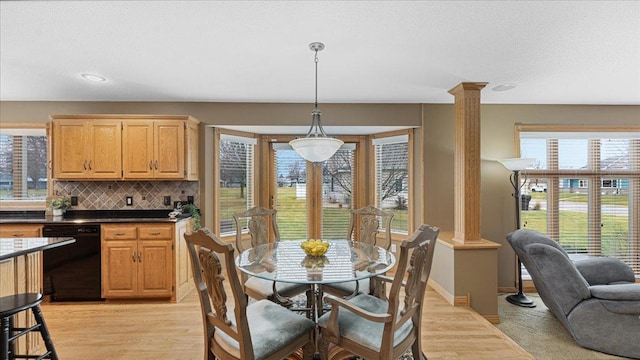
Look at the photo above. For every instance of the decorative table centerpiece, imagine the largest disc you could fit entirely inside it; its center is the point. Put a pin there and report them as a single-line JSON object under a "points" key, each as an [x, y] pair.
{"points": [[313, 247]]}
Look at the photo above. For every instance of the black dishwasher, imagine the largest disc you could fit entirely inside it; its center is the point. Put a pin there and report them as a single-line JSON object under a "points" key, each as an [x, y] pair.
{"points": [[72, 272]]}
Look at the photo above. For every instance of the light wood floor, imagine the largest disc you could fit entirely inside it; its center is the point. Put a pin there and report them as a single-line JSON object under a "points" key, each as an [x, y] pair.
{"points": [[144, 331]]}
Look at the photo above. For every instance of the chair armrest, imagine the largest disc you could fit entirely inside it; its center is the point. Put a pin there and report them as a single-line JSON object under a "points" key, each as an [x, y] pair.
{"points": [[619, 292], [388, 279], [332, 327], [336, 303], [604, 271]]}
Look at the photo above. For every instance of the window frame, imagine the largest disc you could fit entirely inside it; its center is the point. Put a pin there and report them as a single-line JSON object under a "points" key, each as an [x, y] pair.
{"points": [[586, 177], [372, 198], [39, 204], [218, 134], [314, 177]]}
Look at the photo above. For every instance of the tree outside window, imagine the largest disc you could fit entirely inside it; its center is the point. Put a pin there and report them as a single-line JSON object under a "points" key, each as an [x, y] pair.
{"points": [[23, 164]]}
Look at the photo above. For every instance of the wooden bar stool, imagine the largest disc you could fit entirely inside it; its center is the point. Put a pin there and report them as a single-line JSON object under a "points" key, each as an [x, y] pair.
{"points": [[11, 305]]}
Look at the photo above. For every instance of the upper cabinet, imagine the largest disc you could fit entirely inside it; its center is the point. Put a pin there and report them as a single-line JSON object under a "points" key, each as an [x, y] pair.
{"points": [[191, 150], [87, 149], [153, 149], [125, 147]]}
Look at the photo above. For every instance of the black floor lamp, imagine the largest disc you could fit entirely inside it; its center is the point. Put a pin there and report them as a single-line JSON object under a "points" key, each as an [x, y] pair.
{"points": [[516, 165]]}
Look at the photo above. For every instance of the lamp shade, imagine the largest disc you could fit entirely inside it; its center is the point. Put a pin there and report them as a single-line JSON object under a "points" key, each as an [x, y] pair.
{"points": [[316, 149], [517, 164]]}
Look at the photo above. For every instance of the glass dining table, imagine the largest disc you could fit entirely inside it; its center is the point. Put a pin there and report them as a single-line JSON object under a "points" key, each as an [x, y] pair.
{"points": [[286, 261]]}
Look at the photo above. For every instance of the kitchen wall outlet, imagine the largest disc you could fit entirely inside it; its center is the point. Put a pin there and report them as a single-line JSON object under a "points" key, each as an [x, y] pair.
{"points": [[74, 201], [190, 199], [129, 200], [166, 200], [393, 248]]}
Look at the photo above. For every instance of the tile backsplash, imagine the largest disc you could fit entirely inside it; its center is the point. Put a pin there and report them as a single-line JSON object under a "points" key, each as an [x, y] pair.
{"points": [[112, 195]]}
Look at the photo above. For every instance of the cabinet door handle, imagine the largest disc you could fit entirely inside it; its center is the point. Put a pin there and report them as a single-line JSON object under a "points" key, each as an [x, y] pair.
{"points": [[154, 233], [140, 256], [90, 164], [84, 165], [118, 234], [156, 164], [17, 234], [150, 164], [133, 256]]}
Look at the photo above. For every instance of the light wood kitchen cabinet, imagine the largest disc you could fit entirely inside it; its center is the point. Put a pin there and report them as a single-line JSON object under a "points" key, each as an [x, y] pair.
{"points": [[191, 150], [184, 272], [137, 261], [87, 148], [125, 147], [22, 274], [20, 230], [154, 149]]}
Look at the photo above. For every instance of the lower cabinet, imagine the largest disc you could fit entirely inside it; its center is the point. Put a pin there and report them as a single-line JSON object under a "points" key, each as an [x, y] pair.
{"points": [[20, 230], [138, 261], [184, 272], [22, 274]]}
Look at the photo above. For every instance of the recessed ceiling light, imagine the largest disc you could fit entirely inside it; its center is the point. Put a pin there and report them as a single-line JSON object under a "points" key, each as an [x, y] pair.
{"points": [[93, 77], [504, 87]]}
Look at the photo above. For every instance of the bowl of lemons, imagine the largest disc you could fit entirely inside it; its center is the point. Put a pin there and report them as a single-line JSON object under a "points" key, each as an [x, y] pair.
{"points": [[314, 247]]}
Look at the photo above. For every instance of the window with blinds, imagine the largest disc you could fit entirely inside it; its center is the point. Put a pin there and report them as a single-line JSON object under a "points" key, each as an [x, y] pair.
{"points": [[23, 164], [337, 192], [590, 201], [236, 178], [296, 186], [392, 178], [291, 192]]}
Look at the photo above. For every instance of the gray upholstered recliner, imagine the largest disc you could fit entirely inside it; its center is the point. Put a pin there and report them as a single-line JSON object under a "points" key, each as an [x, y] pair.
{"points": [[596, 299]]}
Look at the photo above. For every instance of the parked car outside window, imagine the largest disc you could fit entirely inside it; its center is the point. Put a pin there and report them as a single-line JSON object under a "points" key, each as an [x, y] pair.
{"points": [[539, 188]]}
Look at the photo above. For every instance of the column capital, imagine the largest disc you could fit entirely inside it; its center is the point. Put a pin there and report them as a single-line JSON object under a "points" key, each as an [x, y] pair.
{"points": [[464, 86]]}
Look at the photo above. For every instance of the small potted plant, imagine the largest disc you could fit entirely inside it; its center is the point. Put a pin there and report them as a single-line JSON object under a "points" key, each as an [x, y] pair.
{"points": [[195, 214], [59, 204]]}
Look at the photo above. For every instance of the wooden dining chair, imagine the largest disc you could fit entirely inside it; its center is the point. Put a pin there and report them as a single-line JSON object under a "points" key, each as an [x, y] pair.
{"points": [[383, 329], [260, 330], [262, 227], [368, 220]]}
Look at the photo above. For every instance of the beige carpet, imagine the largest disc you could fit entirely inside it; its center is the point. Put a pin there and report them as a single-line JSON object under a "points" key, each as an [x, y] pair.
{"points": [[540, 333]]}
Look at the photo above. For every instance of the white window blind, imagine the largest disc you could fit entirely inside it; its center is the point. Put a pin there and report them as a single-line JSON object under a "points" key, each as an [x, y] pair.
{"points": [[593, 191], [337, 192], [236, 179], [392, 178], [23, 164]]}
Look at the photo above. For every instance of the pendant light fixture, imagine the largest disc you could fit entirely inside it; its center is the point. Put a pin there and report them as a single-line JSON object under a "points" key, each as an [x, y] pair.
{"points": [[316, 146]]}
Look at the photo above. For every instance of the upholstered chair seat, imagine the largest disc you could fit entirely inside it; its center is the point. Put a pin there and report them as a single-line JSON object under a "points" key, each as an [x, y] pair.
{"points": [[271, 327], [264, 288], [364, 331], [233, 329], [377, 328]]}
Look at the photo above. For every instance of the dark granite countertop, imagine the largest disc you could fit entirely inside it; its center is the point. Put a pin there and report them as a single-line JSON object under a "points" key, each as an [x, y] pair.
{"points": [[89, 217], [13, 247]]}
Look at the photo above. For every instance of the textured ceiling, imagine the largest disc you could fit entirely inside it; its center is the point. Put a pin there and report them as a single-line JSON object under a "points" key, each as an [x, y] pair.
{"points": [[557, 52]]}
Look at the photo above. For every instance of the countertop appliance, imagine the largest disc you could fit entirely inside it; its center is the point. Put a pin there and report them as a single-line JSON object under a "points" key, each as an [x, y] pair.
{"points": [[72, 272]]}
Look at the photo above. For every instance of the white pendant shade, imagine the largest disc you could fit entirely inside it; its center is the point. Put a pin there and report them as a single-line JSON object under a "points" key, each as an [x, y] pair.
{"points": [[517, 163], [316, 146], [316, 149]]}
